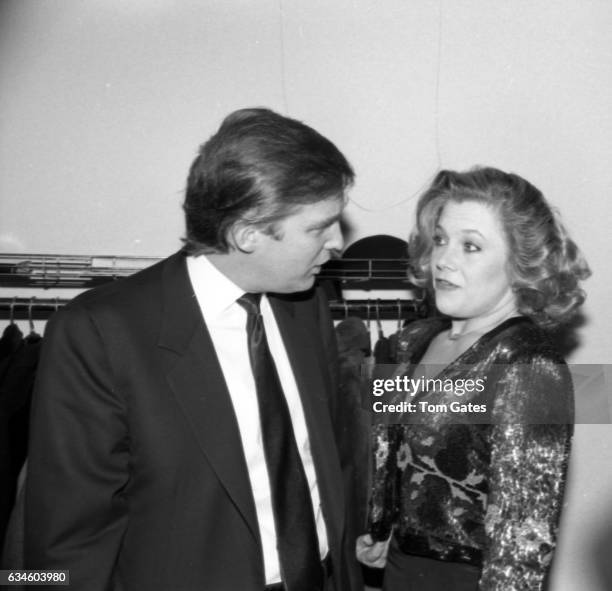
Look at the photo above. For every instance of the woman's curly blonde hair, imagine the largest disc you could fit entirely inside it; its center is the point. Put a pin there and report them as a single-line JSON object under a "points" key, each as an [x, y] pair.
{"points": [[545, 265]]}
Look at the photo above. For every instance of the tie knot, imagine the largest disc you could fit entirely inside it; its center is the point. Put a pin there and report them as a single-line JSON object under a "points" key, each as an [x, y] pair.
{"points": [[250, 302]]}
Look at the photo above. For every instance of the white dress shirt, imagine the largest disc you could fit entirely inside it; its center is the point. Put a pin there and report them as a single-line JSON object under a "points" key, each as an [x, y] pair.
{"points": [[226, 323]]}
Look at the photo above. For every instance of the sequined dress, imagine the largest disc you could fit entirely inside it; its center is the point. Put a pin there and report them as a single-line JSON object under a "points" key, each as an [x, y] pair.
{"points": [[489, 495]]}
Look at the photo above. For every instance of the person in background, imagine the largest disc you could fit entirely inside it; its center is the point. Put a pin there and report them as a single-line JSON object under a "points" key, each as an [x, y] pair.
{"points": [[181, 432], [459, 502]]}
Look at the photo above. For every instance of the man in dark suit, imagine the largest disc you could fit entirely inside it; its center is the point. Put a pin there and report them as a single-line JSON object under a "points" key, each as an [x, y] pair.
{"points": [[157, 459]]}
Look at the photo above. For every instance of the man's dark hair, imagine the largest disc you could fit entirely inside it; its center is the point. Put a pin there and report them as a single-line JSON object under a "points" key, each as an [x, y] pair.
{"points": [[258, 168]]}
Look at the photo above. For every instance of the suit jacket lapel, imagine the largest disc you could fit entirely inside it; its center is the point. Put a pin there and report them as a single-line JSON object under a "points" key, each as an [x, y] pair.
{"points": [[310, 371], [195, 376]]}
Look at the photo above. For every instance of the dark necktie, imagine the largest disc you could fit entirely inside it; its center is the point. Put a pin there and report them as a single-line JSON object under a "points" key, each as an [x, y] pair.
{"points": [[297, 541]]}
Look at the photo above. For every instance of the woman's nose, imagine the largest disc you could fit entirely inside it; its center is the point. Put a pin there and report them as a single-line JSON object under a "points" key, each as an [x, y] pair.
{"points": [[445, 259]]}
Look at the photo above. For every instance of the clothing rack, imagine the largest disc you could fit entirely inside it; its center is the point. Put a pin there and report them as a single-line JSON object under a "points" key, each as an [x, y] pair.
{"points": [[53, 270], [380, 309], [35, 308], [36, 271]]}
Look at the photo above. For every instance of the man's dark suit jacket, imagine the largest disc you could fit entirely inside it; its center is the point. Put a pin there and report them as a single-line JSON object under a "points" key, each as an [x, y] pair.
{"points": [[137, 480]]}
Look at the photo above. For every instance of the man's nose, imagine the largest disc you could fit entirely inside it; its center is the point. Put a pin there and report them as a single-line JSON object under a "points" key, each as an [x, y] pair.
{"points": [[335, 240]]}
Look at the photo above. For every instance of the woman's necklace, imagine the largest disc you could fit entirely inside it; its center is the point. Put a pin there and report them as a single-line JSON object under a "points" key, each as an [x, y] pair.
{"points": [[455, 336]]}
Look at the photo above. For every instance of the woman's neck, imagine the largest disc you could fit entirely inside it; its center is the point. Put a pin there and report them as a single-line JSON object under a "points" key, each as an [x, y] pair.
{"points": [[463, 327]]}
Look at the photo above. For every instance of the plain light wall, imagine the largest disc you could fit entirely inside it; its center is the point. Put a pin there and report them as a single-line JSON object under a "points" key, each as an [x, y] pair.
{"points": [[104, 103]]}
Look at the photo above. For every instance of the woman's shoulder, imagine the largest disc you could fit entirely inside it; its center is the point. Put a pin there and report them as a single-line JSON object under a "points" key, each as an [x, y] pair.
{"points": [[533, 383], [522, 340]]}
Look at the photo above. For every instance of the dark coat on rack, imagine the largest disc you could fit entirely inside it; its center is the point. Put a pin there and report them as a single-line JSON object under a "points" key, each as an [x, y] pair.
{"points": [[18, 362]]}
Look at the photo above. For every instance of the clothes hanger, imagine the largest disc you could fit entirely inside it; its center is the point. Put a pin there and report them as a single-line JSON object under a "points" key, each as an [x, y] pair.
{"points": [[33, 337], [399, 315], [30, 318], [381, 348], [378, 322], [12, 336]]}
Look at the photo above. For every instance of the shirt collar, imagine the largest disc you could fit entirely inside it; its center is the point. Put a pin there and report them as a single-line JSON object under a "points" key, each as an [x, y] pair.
{"points": [[214, 290]]}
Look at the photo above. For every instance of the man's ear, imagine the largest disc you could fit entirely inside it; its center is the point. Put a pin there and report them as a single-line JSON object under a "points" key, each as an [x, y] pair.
{"points": [[243, 237]]}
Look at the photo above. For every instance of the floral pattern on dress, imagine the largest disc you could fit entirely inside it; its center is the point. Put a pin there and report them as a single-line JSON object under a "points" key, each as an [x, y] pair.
{"points": [[489, 494]]}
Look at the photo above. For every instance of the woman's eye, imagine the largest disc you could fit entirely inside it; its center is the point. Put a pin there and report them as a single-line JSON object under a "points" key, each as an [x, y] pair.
{"points": [[471, 247], [438, 240]]}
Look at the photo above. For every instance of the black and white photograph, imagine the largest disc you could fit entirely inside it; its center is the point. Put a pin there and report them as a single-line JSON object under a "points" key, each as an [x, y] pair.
{"points": [[300, 295]]}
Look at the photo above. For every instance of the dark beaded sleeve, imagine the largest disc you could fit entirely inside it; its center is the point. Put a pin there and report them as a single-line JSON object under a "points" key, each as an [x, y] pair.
{"points": [[526, 475], [386, 480]]}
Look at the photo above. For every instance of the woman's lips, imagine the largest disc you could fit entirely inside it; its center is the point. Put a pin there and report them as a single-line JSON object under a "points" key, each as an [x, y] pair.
{"points": [[444, 284]]}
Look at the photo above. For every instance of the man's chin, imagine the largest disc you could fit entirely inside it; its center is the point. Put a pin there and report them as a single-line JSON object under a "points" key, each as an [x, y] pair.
{"points": [[298, 286]]}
